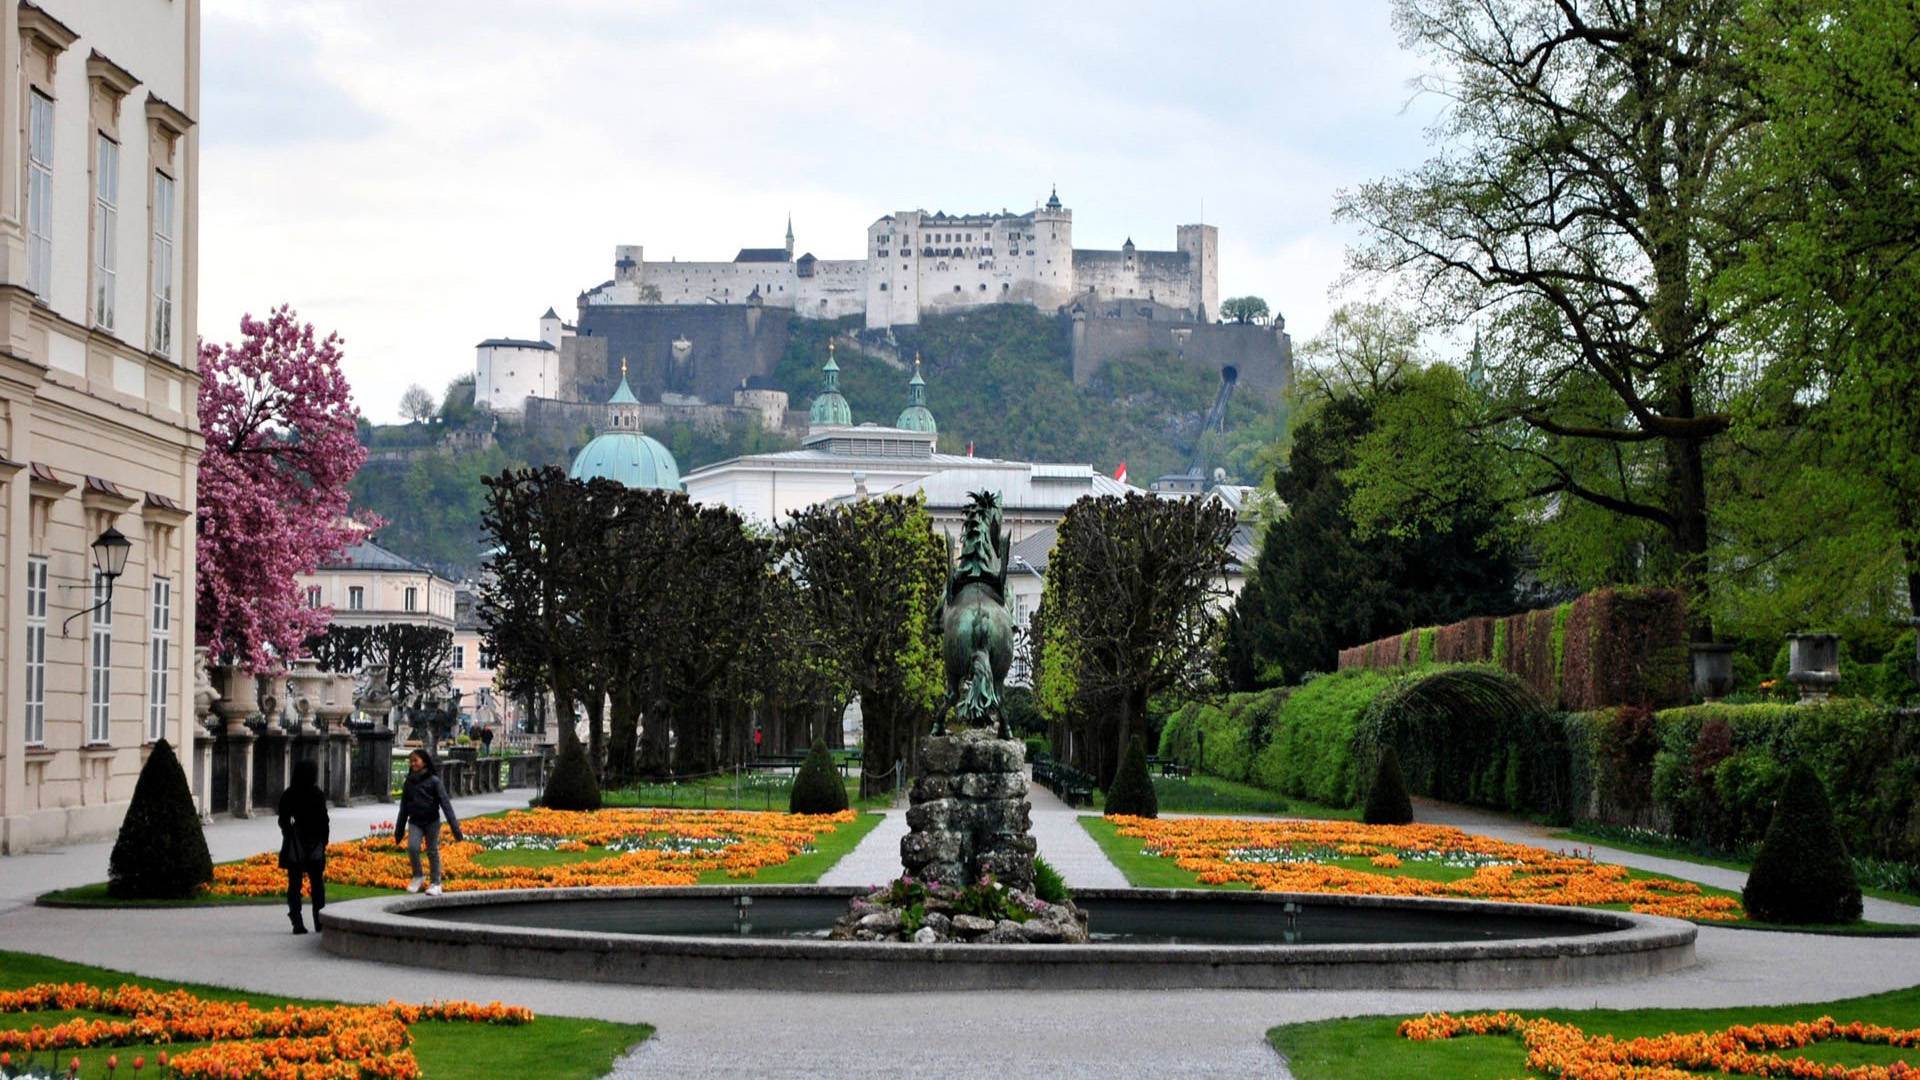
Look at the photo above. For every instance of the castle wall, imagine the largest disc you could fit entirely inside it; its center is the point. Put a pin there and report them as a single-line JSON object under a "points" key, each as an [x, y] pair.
{"points": [[835, 289], [576, 417], [722, 282], [1162, 276], [724, 345], [1262, 356]]}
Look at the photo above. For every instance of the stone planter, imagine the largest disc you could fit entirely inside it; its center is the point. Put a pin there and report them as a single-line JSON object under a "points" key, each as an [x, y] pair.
{"points": [[238, 694], [1814, 664], [309, 686], [1712, 669]]}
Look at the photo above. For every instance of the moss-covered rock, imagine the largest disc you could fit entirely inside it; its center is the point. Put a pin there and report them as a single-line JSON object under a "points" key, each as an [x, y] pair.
{"points": [[572, 786], [161, 853], [816, 787], [1387, 800], [1132, 789], [1801, 873]]}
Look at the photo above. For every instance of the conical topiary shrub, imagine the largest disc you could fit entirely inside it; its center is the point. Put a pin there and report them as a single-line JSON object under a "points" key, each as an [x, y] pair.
{"points": [[572, 786], [1801, 873], [1132, 789], [161, 853], [1387, 800], [816, 787]]}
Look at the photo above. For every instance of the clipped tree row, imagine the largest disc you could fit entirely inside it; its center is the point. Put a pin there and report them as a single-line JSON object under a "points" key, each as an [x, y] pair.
{"points": [[1609, 647]]}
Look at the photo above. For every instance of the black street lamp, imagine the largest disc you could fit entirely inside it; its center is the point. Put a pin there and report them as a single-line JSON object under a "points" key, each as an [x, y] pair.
{"points": [[109, 561]]}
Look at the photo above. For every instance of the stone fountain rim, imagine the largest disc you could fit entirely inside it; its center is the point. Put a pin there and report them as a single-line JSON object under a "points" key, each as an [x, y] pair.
{"points": [[401, 930]]}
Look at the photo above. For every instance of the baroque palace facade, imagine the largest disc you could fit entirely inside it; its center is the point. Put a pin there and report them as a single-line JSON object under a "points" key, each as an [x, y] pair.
{"points": [[99, 432]]}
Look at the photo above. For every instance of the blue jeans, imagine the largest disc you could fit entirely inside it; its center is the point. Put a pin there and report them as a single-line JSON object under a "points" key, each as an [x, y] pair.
{"points": [[432, 836]]}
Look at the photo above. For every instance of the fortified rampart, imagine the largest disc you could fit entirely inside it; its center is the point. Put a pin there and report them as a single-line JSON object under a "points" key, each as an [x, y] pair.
{"points": [[676, 353], [1261, 356]]}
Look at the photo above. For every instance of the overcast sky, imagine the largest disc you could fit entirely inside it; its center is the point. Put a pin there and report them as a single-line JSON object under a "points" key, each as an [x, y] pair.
{"points": [[423, 175]]}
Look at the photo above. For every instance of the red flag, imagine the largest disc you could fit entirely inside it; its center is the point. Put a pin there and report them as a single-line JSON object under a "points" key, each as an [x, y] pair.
{"points": [[969, 447], [1120, 473]]}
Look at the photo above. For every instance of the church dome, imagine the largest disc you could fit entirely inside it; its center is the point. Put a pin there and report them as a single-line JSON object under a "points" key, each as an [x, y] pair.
{"points": [[622, 453], [636, 460], [829, 408], [916, 416]]}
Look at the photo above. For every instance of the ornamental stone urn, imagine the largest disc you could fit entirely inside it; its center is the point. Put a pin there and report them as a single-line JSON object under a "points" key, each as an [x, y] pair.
{"points": [[1814, 664], [238, 694], [308, 684], [1712, 669]]}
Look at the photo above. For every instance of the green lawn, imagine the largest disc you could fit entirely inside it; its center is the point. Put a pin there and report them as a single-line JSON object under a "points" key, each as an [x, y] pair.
{"points": [[552, 1047], [1371, 1048], [799, 870], [767, 790]]}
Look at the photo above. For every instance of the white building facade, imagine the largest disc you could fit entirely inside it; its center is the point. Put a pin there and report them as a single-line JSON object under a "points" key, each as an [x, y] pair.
{"points": [[99, 428], [508, 371]]}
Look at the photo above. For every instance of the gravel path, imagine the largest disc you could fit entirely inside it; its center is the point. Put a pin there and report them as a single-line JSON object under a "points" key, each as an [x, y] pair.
{"points": [[750, 1033]]}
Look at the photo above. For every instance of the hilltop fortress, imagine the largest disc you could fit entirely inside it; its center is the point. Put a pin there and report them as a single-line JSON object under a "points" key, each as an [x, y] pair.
{"points": [[700, 338], [919, 263]]}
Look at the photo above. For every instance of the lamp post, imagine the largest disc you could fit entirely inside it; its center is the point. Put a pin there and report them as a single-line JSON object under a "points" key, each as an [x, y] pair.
{"points": [[109, 562]]}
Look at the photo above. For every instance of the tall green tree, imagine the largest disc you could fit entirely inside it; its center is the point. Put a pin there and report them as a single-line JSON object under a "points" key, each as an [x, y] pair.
{"points": [[1839, 277], [873, 574], [1586, 206], [1134, 587], [1394, 515]]}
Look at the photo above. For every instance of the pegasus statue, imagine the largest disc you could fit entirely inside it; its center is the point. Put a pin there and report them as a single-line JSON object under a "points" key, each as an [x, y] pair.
{"points": [[976, 627]]}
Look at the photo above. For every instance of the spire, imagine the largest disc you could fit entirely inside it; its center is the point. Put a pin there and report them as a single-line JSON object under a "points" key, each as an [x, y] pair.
{"points": [[789, 233], [916, 416], [1053, 200], [830, 408]]}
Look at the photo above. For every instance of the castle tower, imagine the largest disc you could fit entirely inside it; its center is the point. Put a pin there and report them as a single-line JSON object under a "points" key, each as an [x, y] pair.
{"points": [[916, 416], [1202, 245], [550, 328], [1053, 279]]}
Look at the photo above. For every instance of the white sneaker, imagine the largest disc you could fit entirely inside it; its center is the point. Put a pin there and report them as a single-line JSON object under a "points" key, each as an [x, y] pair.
{"points": [[433, 890], [414, 885]]}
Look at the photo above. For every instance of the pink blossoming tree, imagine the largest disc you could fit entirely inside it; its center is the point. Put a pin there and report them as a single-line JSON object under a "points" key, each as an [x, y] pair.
{"points": [[279, 422]]}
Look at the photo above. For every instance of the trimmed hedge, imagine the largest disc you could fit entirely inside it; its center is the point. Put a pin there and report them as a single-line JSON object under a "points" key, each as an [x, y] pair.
{"points": [[817, 788], [1311, 752], [161, 852], [1132, 789], [1609, 647], [572, 785], [1801, 873]]}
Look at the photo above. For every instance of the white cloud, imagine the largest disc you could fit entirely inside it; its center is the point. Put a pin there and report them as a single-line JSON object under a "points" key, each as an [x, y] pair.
{"points": [[421, 176]]}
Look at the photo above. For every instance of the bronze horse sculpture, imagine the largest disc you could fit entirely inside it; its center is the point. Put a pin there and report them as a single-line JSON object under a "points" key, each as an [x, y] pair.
{"points": [[975, 625]]}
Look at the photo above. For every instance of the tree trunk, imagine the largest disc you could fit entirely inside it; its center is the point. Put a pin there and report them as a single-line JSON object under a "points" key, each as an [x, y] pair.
{"points": [[622, 737], [596, 739], [1690, 537], [653, 740]]}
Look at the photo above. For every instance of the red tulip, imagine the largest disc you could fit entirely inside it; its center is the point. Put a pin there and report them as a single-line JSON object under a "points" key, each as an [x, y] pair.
{"points": [[139, 1062]]}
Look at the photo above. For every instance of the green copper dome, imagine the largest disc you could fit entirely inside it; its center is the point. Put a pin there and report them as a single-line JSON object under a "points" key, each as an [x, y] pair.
{"points": [[916, 417], [631, 458], [623, 453], [829, 408]]}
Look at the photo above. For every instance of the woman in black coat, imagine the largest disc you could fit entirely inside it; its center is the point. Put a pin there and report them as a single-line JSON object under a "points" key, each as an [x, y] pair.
{"points": [[422, 800], [303, 840]]}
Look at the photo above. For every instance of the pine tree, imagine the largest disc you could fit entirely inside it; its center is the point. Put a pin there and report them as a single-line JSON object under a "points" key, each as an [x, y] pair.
{"points": [[816, 787], [1132, 790], [1801, 873], [161, 853]]}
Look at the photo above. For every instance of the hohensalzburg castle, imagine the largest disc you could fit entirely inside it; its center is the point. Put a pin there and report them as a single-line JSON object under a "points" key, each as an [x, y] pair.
{"points": [[918, 264]]}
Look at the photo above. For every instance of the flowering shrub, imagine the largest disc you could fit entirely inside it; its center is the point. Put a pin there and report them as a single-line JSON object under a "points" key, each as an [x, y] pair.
{"points": [[1300, 856], [645, 847], [329, 1042], [1565, 1051]]}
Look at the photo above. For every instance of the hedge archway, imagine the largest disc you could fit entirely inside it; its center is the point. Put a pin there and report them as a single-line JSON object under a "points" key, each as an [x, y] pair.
{"points": [[1475, 735]]}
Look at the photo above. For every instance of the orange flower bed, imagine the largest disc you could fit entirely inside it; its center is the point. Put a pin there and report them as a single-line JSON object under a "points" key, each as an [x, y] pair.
{"points": [[1294, 856], [1565, 1051], [332, 1042], [649, 847]]}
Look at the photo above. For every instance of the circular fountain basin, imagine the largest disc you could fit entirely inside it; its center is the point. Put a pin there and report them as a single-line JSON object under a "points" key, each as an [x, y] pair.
{"points": [[1145, 939]]}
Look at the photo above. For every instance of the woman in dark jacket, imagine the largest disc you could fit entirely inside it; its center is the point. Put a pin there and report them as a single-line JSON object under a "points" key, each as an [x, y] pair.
{"points": [[422, 799], [303, 840]]}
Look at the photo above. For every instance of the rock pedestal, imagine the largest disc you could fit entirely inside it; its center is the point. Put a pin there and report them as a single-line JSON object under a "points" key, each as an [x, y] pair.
{"points": [[969, 814]]}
